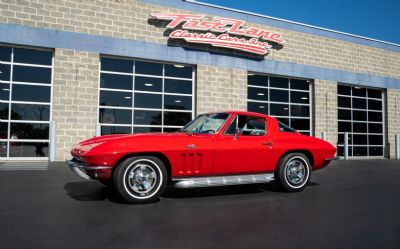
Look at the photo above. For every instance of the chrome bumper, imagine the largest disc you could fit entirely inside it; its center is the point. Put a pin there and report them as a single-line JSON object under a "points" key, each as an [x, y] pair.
{"points": [[332, 158], [82, 170]]}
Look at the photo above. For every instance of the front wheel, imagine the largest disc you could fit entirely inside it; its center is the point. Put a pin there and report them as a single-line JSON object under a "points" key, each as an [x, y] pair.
{"points": [[293, 172], [140, 179]]}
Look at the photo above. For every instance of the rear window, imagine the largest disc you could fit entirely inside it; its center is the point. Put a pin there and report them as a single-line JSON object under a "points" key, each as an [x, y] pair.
{"points": [[285, 128]]}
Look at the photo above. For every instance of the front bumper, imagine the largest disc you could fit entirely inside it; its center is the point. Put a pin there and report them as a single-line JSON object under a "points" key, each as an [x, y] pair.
{"points": [[332, 158], [84, 171]]}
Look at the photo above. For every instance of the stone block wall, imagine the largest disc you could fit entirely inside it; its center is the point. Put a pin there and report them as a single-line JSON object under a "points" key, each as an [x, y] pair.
{"points": [[325, 110], [392, 120], [75, 98], [220, 89]]}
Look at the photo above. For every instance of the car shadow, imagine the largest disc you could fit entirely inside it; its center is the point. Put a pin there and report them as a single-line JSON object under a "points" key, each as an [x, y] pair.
{"points": [[171, 192], [95, 191], [91, 191]]}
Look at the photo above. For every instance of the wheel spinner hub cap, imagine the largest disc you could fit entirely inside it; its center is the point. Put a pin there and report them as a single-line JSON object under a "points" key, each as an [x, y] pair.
{"points": [[295, 171], [142, 179]]}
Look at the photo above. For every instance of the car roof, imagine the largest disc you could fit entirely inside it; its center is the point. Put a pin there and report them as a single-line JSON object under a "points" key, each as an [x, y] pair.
{"points": [[242, 113]]}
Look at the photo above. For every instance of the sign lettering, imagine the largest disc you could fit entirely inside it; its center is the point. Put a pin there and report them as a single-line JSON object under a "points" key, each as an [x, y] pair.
{"points": [[218, 32]]}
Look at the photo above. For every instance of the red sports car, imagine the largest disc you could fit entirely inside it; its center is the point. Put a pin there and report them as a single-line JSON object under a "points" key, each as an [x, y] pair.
{"points": [[224, 148]]}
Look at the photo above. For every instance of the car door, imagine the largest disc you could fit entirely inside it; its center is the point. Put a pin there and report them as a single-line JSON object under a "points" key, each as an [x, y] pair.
{"points": [[243, 147]]}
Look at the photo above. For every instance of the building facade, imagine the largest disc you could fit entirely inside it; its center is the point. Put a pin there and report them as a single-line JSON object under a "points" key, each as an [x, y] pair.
{"points": [[71, 70]]}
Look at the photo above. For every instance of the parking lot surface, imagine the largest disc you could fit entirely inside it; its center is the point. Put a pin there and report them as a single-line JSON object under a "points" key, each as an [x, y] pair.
{"points": [[350, 204]]}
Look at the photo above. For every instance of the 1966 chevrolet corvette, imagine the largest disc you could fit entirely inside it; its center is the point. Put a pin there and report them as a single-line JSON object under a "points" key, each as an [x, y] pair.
{"points": [[224, 148]]}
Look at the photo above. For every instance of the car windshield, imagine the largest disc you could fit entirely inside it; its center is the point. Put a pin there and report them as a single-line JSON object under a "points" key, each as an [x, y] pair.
{"points": [[206, 124]]}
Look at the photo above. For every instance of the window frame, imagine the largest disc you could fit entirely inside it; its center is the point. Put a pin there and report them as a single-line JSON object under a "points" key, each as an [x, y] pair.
{"points": [[235, 119], [132, 125], [9, 121], [290, 104], [367, 121]]}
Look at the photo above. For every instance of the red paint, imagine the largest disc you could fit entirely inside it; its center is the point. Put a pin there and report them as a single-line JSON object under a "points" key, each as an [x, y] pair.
{"points": [[254, 40], [215, 154]]}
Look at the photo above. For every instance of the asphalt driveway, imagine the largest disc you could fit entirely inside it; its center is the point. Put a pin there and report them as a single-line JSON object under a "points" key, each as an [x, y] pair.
{"points": [[350, 204]]}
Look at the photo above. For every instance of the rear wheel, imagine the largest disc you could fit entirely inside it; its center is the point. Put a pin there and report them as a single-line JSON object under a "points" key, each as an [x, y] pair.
{"points": [[140, 179], [293, 172]]}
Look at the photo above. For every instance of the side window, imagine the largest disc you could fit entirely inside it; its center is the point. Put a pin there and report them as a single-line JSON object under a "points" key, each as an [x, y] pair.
{"points": [[247, 125], [284, 128]]}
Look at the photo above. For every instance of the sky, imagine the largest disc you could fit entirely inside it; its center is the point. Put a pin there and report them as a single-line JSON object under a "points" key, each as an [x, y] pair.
{"points": [[374, 19]]}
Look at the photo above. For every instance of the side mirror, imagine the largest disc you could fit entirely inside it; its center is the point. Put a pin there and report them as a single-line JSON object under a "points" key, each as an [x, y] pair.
{"points": [[237, 132]]}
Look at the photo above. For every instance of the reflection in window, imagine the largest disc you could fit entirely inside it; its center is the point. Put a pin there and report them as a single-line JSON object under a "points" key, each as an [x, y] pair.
{"points": [[177, 118], [279, 110], [32, 74], [285, 98], [30, 112], [113, 98], [258, 107], [4, 91], [177, 102], [178, 86], [140, 129], [148, 84], [105, 129], [5, 72], [32, 56], [30, 93], [29, 131], [257, 80], [115, 116], [4, 110], [148, 68], [150, 96], [255, 93], [360, 113], [5, 54], [116, 65], [178, 71], [29, 149], [3, 130], [25, 115], [115, 81], [147, 117], [146, 100], [279, 95]]}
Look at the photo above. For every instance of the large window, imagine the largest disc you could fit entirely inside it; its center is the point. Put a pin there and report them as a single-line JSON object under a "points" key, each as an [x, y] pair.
{"points": [[360, 113], [142, 96], [25, 101], [286, 99]]}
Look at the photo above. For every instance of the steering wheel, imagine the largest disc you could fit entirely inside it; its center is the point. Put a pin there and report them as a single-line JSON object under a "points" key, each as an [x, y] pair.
{"points": [[210, 131]]}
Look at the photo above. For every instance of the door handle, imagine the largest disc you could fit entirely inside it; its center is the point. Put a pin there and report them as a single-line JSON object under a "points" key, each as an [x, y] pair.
{"points": [[267, 143]]}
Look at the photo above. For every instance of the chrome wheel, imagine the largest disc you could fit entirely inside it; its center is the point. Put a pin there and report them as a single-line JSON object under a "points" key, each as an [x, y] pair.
{"points": [[142, 178], [296, 172]]}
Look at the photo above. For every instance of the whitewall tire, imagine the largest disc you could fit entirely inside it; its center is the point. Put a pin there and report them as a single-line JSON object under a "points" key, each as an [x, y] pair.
{"points": [[293, 172], [140, 179]]}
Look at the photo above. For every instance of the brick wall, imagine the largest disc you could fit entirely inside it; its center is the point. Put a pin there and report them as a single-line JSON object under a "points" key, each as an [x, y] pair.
{"points": [[75, 97], [129, 19], [220, 89], [392, 119], [325, 109]]}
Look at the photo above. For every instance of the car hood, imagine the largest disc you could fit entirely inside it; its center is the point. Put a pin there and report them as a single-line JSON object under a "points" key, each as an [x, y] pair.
{"points": [[91, 143], [123, 137]]}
